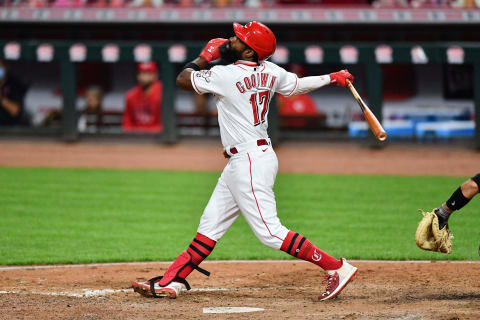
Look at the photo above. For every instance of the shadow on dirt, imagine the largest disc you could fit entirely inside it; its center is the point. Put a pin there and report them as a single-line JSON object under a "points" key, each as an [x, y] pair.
{"points": [[436, 297], [453, 296]]}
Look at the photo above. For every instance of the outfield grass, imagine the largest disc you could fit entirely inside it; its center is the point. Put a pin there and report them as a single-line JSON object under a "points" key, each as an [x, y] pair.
{"points": [[90, 215]]}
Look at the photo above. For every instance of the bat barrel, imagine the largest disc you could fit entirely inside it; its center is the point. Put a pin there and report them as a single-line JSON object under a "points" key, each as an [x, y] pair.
{"points": [[382, 136], [372, 121]]}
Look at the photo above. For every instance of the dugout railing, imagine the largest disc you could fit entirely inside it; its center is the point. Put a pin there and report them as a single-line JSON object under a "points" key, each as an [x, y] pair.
{"points": [[366, 54]]}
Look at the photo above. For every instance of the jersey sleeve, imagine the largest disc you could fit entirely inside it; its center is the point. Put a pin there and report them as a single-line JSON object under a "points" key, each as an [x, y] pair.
{"points": [[209, 81], [287, 82]]}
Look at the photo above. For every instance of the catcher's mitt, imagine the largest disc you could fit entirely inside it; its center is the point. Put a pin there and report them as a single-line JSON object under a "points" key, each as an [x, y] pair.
{"points": [[429, 237]]}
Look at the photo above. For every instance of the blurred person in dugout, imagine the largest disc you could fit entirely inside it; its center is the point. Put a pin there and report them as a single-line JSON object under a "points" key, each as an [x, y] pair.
{"points": [[91, 118], [299, 105], [143, 102], [202, 106], [12, 94]]}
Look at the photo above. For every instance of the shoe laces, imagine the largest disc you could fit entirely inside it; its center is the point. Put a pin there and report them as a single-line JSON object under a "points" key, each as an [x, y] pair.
{"points": [[328, 280]]}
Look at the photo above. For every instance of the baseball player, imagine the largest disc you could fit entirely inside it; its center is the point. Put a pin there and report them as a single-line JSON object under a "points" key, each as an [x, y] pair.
{"points": [[432, 232], [243, 88]]}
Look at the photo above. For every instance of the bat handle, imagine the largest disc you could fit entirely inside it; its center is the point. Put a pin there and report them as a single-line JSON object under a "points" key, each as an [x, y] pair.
{"points": [[355, 93], [350, 85]]}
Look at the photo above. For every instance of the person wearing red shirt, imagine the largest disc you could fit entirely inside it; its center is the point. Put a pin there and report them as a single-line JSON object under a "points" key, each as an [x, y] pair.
{"points": [[143, 102], [298, 105], [301, 104]]}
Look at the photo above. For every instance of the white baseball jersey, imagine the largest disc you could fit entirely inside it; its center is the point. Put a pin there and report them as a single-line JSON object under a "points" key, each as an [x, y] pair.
{"points": [[242, 94]]}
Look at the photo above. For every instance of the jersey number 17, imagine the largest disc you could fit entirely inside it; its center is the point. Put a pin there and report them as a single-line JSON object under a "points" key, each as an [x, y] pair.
{"points": [[259, 101]]}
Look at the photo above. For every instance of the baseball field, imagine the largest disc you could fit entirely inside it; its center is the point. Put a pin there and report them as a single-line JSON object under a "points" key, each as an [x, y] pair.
{"points": [[81, 222]]}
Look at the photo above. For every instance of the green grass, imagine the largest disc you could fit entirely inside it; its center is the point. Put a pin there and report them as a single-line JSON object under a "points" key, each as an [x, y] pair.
{"points": [[82, 215]]}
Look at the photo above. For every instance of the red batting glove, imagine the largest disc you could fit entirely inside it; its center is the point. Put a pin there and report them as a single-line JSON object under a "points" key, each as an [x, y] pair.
{"points": [[339, 78], [211, 51]]}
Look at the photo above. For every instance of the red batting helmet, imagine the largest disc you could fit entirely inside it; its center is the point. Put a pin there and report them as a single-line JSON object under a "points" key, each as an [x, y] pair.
{"points": [[258, 37]]}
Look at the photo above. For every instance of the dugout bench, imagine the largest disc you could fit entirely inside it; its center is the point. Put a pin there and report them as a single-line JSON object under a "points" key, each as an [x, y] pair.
{"points": [[161, 52]]}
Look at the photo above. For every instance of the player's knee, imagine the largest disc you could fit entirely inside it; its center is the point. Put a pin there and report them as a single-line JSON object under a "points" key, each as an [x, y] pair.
{"points": [[274, 238], [271, 242]]}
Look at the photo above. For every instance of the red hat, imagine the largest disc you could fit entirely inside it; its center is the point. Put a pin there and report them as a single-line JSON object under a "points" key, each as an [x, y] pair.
{"points": [[258, 37], [297, 69], [147, 67]]}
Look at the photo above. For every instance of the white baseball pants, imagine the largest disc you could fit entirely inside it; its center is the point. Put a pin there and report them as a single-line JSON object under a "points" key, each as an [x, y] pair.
{"points": [[246, 186]]}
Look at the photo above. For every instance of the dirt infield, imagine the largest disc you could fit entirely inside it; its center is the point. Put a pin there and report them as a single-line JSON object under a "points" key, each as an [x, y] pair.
{"points": [[285, 290], [306, 157]]}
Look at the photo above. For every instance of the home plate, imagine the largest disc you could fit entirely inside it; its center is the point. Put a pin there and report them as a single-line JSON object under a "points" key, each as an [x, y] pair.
{"points": [[231, 310]]}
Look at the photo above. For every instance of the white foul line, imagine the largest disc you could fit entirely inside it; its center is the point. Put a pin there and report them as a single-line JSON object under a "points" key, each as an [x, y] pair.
{"points": [[87, 293]]}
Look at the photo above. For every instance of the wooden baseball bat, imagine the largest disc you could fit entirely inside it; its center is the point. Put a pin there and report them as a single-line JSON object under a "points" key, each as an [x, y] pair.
{"points": [[372, 121]]}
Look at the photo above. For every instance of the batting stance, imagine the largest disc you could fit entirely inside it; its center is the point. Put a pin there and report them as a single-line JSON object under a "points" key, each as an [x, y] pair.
{"points": [[243, 88]]}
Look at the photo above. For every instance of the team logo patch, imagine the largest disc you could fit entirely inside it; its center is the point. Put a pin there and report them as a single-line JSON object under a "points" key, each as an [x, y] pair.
{"points": [[205, 74], [316, 256]]}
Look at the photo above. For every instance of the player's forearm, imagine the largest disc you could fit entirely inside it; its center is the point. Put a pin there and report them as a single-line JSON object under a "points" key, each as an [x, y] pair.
{"points": [[307, 84], [183, 79], [12, 107]]}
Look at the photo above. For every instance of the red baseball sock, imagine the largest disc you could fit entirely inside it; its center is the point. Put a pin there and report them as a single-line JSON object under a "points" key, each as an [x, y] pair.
{"points": [[300, 247], [199, 249]]}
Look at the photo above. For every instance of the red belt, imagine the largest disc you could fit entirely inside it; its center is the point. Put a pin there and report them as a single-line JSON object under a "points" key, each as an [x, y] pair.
{"points": [[260, 142]]}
